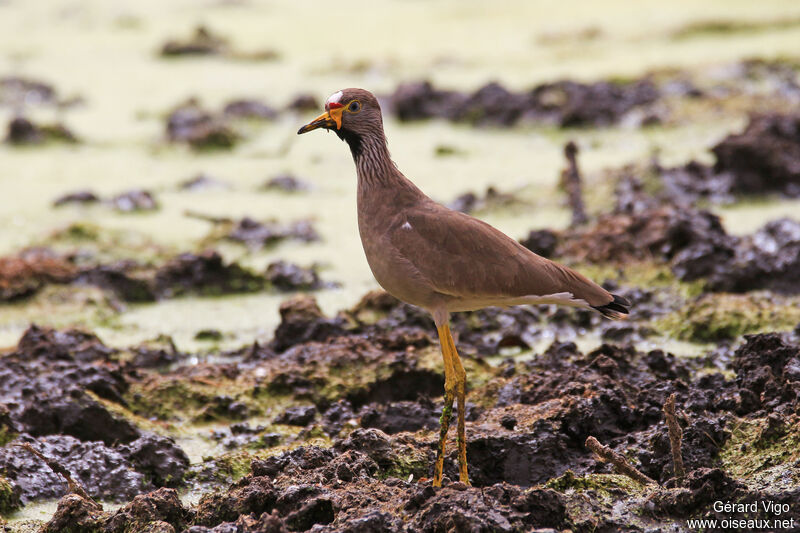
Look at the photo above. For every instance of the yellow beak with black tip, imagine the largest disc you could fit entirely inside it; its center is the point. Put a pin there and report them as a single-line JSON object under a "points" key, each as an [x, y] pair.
{"points": [[329, 120]]}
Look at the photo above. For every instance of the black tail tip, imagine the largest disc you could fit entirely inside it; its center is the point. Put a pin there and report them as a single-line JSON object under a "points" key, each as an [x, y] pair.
{"points": [[617, 309]]}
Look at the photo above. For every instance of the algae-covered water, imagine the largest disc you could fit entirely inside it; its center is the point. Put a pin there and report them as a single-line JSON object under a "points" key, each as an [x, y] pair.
{"points": [[105, 54]]}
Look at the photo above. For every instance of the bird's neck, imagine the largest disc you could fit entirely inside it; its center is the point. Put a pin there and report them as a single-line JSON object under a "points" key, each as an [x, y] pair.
{"points": [[374, 164], [379, 179]]}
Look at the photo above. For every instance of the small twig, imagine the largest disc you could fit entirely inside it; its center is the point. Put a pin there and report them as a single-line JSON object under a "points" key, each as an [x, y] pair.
{"points": [[571, 181], [74, 486], [675, 436], [622, 465]]}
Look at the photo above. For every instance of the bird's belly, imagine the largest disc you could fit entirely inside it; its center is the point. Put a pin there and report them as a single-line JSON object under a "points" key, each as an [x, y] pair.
{"points": [[397, 276]]}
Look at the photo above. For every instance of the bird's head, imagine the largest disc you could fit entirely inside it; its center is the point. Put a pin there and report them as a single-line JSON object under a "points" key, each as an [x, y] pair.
{"points": [[351, 113]]}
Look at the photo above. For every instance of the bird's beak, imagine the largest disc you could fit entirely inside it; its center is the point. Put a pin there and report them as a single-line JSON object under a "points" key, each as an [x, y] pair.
{"points": [[331, 119]]}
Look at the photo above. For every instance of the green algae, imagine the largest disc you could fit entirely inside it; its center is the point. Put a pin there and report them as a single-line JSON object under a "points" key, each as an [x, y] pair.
{"points": [[9, 499], [606, 484], [715, 317], [763, 459]]}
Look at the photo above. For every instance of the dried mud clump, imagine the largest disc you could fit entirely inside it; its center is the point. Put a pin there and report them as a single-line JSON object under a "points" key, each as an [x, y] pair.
{"points": [[694, 240], [249, 109], [768, 374], [17, 91], [204, 273], [768, 259], [24, 274], [765, 157], [257, 235], [493, 199], [202, 42], [191, 124], [135, 200], [285, 276], [21, 131], [63, 391], [762, 159], [77, 197], [563, 103], [285, 183]]}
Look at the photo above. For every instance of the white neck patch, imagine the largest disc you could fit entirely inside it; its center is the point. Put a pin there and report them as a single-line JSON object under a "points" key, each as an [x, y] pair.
{"points": [[334, 98]]}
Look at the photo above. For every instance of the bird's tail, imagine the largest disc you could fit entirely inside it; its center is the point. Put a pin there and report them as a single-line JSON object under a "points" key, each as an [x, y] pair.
{"points": [[616, 309]]}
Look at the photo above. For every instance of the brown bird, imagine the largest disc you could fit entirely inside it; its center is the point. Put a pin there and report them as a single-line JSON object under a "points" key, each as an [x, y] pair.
{"points": [[439, 259]]}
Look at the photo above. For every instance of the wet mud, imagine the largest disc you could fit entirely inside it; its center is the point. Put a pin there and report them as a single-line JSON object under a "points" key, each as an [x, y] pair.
{"points": [[354, 408]]}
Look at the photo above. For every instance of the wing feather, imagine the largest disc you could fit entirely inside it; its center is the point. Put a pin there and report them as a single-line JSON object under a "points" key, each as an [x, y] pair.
{"points": [[463, 257]]}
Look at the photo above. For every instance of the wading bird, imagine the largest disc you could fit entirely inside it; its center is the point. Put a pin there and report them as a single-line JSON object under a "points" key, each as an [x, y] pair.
{"points": [[439, 259]]}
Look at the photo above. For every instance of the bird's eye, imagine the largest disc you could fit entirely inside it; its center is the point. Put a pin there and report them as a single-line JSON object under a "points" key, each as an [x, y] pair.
{"points": [[354, 106]]}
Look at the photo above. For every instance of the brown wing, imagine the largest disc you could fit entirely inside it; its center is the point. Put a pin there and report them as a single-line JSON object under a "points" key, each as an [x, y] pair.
{"points": [[464, 257]]}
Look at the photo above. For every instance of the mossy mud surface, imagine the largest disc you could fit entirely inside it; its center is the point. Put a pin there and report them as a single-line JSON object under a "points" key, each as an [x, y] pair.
{"points": [[188, 332]]}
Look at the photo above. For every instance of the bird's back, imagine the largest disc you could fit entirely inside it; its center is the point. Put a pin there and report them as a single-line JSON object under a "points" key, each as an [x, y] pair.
{"points": [[447, 254]]}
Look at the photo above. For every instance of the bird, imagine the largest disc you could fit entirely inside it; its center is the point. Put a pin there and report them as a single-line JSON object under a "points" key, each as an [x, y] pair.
{"points": [[442, 260]]}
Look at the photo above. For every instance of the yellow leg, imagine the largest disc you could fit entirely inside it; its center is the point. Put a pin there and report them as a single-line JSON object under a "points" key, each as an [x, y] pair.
{"points": [[447, 410], [455, 385]]}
